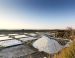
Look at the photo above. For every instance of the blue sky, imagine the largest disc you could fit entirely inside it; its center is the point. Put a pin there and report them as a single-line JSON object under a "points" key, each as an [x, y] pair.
{"points": [[37, 14]]}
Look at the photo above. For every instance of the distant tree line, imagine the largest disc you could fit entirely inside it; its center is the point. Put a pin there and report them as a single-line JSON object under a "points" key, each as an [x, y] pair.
{"points": [[68, 33]]}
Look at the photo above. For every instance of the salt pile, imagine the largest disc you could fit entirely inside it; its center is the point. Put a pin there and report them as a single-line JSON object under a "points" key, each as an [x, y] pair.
{"points": [[1, 35], [47, 45], [68, 44], [32, 34], [5, 38], [19, 36], [9, 43], [27, 39], [12, 34]]}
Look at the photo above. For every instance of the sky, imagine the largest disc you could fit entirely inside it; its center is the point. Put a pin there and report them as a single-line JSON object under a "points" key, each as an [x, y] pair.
{"points": [[37, 14]]}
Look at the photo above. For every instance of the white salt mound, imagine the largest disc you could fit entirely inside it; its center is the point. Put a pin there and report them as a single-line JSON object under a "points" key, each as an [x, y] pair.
{"points": [[5, 38], [68, 44], [47, 45], [9, 43], [19, 36], [12, 34], [32, 34], [1, 35], [27, 39]]}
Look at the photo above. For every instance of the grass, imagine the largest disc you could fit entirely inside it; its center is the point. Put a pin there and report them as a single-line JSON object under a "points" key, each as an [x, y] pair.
{"points": [[67, 52]]}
